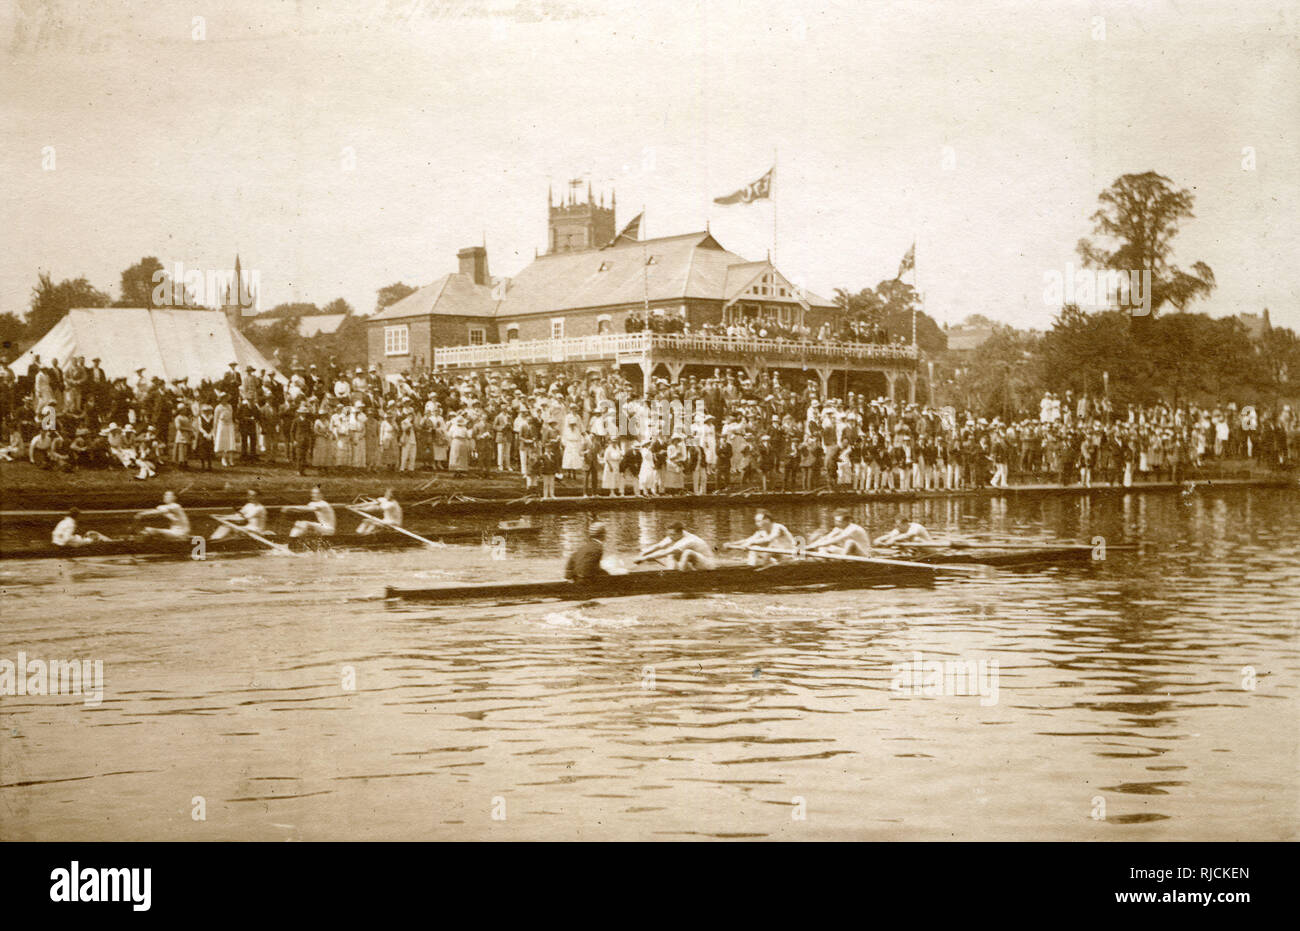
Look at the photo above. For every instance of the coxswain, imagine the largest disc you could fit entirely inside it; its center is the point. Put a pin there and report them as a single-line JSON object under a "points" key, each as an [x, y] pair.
{"points": [[252, 516], [846, 537], [769, 534], [681, 550], [905, 530], [65, 532], [583, 564], [178, 523], [323, 525], [388, 513]]}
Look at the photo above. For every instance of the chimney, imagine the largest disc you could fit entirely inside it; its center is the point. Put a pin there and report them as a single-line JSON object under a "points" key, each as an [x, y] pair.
{"points": [[473, 262]]}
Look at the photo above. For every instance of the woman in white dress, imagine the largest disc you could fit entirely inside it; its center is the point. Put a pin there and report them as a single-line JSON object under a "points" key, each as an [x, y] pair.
{"points": [[611, 478], [458, 433], [223, 438], [649, 477], [571, 440]]}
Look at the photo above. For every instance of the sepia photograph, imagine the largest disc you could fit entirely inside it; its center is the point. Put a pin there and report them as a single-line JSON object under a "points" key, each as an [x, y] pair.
{"points": [[596, 420]]}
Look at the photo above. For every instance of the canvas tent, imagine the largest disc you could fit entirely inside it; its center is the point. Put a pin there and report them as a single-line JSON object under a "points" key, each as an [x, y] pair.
{"points": [[168, 344]]}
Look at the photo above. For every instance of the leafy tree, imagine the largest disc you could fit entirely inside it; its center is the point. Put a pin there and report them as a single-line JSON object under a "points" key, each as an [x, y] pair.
{"points": [[337, 306], [1000, 378], [1140, 215], [1279, 362], [138, 284], [13, 336], [890, 306], [1082, 349], [50, 302], [295, 309], [391, 294]]}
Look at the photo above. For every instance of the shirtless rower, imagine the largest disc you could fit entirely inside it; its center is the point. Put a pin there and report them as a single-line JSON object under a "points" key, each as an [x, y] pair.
{"points": [[388, 513], [65, 532], [252, 516], [178, 523], [680, 550], [769, 534], [905, 531], [324, 524], [846, 537]]}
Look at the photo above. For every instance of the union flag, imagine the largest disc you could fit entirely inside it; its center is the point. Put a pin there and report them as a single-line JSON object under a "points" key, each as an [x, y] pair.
{"points": [[759, 190]]}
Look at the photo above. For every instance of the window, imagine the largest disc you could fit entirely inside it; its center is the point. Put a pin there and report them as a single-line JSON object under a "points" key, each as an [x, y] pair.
{"points": [[397, 340], [603, 324], [557, 328], [653, 260], [512, 334], [604, 267], [477, 336]]}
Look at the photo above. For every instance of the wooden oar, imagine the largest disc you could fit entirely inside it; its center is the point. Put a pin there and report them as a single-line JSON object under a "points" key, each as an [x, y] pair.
{"points": [[277, 547], [846, 557], [415, 536], [1009, 545]]}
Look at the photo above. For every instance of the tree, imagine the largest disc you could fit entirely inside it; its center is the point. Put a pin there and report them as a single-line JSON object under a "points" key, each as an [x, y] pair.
{"points": [[13, 336], [1140, 215], [138, 284], [50, 302], [1279, 361], [294, 309], [890, 306], [337, 306], [1000, 378], [1081, 350], [391, 294]]}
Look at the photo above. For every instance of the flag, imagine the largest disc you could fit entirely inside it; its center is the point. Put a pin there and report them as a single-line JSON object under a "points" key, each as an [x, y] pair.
{"points": [[631, 231], [908, 264], [762, 188]]}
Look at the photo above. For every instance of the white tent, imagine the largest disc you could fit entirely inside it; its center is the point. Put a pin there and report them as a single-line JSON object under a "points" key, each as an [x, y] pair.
{"points": [[169, 344]]}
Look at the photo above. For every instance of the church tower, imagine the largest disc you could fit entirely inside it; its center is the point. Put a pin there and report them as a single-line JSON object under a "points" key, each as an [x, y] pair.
{"points": [[574, 226], [240, 297]]}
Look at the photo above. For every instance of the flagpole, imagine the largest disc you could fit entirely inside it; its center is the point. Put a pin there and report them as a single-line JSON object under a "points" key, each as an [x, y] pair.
{"points": [[916, 284], [772, 194], [645, 274]]}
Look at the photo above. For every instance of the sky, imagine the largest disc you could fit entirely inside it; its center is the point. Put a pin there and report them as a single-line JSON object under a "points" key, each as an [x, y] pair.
{"points": [[341, 147]]}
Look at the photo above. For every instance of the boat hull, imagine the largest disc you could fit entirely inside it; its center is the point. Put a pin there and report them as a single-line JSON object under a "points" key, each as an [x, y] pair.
{"points": [[242, 545], [724, 579], [797, 574]]}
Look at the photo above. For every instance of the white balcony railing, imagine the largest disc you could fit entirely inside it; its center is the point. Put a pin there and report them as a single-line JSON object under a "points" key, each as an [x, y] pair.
{"points": [[607, 346]]}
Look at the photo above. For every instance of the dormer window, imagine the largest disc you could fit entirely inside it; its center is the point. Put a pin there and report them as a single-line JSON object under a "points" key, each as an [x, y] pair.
{"points": [[604, 267]]}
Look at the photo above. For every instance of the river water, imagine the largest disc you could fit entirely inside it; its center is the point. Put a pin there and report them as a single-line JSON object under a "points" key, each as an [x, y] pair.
{"points": [[1152, 696]]}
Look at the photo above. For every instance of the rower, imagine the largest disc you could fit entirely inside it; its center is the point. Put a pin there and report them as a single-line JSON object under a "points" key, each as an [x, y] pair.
{"points": [[846, 537], [65, 532], [388, 513], [769, 534], [252, 515], [680, 550], [178, 526], [905, 531], [324, 524], [583, 564]]}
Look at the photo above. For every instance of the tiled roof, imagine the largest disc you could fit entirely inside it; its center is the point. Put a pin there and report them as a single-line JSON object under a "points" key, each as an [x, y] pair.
{"points": [[452, 295], [672, 268]]}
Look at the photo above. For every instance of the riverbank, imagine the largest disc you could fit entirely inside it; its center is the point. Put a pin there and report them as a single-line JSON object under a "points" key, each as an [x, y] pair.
{"points": [[26, 490]]}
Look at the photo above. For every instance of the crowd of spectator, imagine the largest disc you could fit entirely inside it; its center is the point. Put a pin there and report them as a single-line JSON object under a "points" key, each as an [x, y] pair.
{"points": [[723, 432], [851, 331]]}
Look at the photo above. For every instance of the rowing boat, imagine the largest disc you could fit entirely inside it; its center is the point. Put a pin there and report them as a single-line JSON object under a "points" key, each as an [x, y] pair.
{"points": [[733, 578], [189, 548]]}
